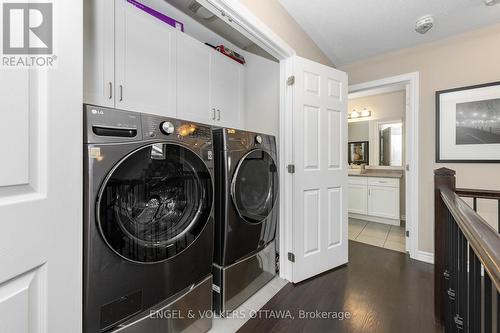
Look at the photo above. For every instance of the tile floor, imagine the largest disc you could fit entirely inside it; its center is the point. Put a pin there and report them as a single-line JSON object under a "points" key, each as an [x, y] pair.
{"points": [[254, 303], [378, 234]]}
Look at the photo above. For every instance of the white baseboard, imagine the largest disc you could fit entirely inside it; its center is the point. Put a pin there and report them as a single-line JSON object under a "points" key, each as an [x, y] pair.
{"points": [[375, 219], [427, 257]]}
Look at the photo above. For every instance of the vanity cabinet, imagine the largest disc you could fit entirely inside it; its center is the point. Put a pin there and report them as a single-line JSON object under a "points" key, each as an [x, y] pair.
{"points": [[357, 196], [374, 199]]}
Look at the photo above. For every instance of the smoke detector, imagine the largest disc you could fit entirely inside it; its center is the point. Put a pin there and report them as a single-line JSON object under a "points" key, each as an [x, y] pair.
{"points": [[491, 2], [425, 24]]}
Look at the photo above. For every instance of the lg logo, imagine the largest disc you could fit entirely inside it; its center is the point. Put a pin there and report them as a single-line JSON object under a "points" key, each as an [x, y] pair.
{"points": [[27, 28]]}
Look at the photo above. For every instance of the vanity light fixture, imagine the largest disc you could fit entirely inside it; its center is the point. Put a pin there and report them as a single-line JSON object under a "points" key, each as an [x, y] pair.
{"points": [[363, 114]]}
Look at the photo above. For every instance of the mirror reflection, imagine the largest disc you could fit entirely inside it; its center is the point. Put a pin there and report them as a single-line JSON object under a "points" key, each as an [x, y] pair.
{"points": [[391, 144]]}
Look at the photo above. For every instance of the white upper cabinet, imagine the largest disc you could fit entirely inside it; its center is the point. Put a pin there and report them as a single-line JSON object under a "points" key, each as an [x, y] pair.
{"points": [[227, 91], [209, 85], [194, 72], [99, 52], [145, 62], [134, 61]]}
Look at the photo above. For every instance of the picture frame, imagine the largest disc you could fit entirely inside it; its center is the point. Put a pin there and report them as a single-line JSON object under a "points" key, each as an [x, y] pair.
{"points": [[468, 124]]}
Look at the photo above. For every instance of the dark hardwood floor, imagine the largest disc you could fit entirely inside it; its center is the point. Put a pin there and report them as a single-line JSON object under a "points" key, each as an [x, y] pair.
{"points": [[384, 291]]}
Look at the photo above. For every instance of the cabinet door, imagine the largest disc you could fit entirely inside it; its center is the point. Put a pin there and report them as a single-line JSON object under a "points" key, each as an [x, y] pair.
{"points": [[357, 199], [227, 91], [145, 62], [194, 70], [99, 52], [383, 202]]}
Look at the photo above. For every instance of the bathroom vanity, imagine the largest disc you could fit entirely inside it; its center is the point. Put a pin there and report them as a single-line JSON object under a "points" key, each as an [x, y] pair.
{"points": [[375, 196]]}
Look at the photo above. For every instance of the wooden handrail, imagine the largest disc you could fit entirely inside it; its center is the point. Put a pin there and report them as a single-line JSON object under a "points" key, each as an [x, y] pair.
{"points": [[475, 193], [484, 240]]}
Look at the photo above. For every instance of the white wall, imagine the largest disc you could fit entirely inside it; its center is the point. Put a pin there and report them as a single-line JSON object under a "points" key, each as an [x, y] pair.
{"points": [[463, 60], [359, 131], [384, 107]]}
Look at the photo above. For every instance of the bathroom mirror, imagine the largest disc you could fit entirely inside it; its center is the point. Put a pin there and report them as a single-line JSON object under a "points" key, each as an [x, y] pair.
{"points": [[391, 144]]}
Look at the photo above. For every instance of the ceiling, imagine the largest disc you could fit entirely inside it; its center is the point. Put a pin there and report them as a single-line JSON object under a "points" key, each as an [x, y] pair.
{"points": [[350, 30]]}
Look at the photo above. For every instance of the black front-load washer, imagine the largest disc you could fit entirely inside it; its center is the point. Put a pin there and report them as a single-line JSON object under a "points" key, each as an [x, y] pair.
{"points": [[148, 222], [246, 215]]}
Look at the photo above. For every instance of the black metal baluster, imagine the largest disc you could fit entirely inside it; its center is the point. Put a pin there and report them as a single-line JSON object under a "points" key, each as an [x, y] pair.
{"points": [[474, 319], [452, 291], [487, 303], [474, 204], [498, 312], [461, 290], [447, 272]]}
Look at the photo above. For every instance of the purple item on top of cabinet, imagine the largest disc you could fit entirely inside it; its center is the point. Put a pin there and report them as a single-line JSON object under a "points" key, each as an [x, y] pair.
{"points": [[162, 17]]}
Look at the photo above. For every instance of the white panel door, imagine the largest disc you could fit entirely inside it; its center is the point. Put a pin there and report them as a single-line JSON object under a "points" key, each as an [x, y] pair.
{"points": [[357, 199], [194, 70], [145, 62], [383, 201], [320, 181], [227, 91], [41, 186]]}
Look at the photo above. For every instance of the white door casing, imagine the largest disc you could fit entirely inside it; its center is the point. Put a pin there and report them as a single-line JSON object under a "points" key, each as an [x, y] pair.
{"points": [[320, 180], [40, 187]]}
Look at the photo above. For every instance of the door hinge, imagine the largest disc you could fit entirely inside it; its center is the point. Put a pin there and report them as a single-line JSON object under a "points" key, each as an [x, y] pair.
{"points": [[407, 233], [291, 168], [291, 257], [291, 80], [407, 167]]}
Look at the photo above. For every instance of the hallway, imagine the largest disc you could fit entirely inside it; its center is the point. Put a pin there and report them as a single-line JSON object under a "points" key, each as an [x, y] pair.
{"points": [[384, 291]]}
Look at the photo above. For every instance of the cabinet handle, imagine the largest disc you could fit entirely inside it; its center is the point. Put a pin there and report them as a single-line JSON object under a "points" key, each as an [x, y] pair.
{"points": [[121, 93], [110, 90], [218, 114], [213, 113]]}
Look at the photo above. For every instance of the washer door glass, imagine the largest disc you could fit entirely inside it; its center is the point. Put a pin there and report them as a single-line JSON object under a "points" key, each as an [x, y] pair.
{"points": [[255, 186], [155, 203]]}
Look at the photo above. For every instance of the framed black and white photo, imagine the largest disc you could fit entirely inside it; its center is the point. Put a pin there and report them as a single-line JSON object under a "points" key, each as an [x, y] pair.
{"points": [[468, 124]]}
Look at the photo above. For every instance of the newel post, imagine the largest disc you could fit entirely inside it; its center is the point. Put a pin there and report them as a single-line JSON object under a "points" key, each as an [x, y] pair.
{"points": [[443, 179]]}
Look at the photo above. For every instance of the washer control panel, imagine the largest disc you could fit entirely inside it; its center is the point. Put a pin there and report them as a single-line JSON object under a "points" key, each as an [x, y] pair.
{"points": [[157, 127]]}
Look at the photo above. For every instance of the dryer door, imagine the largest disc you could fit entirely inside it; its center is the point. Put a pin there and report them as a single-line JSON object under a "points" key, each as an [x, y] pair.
{"points": [[254, 187], [155, 203]]}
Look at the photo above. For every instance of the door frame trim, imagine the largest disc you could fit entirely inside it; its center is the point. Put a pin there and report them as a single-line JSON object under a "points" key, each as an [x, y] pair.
{"points": [[409, 82], [242, 19]]}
